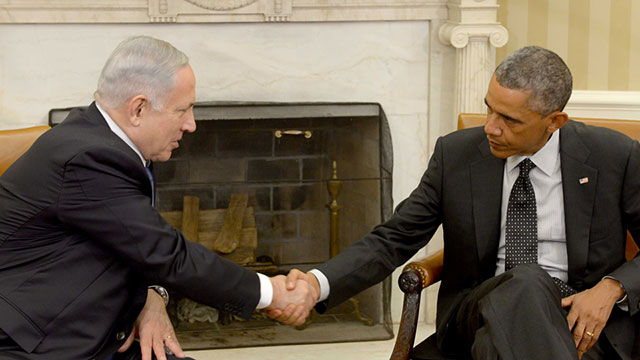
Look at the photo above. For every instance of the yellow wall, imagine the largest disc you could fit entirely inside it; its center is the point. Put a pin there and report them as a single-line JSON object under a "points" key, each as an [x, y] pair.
{"points": [[599, 39]]}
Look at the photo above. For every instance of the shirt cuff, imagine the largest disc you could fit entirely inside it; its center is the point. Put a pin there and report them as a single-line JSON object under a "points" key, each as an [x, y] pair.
{"points": [[324, 284], [266, 292], [623, 303]]}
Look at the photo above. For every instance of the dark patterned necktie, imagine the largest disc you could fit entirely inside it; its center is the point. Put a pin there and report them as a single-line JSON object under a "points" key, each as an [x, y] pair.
{"points": [[149, 171], [521, 235], [521, 240]]}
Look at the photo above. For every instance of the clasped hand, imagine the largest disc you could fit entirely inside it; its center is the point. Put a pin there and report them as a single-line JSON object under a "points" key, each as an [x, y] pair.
{"points": [[294, 296]]}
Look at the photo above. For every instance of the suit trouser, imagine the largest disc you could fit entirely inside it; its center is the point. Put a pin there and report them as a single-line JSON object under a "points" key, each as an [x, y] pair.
{"points": [[518, 315]]}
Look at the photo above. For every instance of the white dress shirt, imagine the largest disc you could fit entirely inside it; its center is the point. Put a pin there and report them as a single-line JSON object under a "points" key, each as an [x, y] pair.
{"points": [[266, 289]]}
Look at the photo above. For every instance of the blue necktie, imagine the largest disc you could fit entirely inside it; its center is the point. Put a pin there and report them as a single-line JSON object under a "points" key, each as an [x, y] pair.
{"points": [[149, 170]]}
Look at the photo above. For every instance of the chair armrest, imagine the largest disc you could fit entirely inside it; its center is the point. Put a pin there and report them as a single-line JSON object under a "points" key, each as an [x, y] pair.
{"points": [[15, 143], [427, 269], [415, 276]]}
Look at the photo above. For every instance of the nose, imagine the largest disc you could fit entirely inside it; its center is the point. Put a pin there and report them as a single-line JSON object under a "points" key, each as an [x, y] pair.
{"points": [[492, 126], [189, 124]]}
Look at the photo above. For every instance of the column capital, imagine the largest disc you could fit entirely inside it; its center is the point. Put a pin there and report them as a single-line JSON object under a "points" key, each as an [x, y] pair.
{"points": [[458, 35], [473, 29]]}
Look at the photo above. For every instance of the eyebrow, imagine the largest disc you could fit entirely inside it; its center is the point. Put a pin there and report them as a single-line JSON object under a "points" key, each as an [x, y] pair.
{"points": [[499, 113], [187, 107]]}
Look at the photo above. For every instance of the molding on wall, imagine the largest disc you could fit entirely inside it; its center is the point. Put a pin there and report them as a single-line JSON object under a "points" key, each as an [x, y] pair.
{"points": [[604, 104], [211, 11]]}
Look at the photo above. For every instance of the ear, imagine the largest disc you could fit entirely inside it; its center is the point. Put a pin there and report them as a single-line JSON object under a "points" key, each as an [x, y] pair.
{"points": [[558, 119], [137, 107]]}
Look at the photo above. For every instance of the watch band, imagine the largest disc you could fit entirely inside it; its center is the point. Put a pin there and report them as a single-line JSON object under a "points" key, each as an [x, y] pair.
{"points": [[164, 294]]}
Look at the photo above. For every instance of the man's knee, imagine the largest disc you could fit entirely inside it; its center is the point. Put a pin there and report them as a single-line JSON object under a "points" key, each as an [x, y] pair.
{"points": [[531, 276], [528, 281]]}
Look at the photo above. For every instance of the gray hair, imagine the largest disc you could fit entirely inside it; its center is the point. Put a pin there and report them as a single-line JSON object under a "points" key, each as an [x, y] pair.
{"points": [[541, 72], [140, 65]]}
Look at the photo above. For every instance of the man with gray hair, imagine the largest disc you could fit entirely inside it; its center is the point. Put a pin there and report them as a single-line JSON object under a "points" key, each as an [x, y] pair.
{"points": [[84, 255], [534, 209]]}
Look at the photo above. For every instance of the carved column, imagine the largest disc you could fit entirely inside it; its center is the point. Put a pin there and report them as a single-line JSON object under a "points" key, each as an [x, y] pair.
{"points": [[473, 30]]}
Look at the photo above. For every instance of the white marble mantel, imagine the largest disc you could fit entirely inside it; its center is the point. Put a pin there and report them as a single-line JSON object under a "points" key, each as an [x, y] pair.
{"points": [[207, 11], [422, 60]]}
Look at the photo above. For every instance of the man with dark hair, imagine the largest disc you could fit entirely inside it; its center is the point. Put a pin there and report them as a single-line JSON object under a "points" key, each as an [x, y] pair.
{"points": [[83, 254], [535, 210]]}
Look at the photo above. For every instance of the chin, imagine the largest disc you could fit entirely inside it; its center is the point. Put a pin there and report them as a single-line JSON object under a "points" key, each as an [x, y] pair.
{"points": [[162, 157], [499, 154]]}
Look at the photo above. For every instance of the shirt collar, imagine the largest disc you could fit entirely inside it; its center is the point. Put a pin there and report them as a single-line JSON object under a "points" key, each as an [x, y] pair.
{"points": [[545, 159], [118, 131]]}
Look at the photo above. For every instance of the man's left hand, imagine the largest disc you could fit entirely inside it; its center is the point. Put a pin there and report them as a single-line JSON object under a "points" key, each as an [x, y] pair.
{"points": [[590, 310], [154, 330]]}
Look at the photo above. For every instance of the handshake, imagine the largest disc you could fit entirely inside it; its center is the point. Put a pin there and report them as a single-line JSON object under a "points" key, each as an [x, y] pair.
{"points": [[294, 296]]}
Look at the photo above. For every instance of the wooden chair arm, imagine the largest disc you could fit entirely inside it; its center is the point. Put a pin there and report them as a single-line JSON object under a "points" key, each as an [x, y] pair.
{"points": [[415, 276], [428, 270]]}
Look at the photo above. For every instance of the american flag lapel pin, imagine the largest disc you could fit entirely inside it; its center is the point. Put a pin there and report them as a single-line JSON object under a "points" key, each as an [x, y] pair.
{"points": [[583, 181]]}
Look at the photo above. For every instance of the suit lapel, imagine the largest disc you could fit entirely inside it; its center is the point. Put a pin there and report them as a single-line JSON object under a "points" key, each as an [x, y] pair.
{"points": [[486, 191], [579, 188]]}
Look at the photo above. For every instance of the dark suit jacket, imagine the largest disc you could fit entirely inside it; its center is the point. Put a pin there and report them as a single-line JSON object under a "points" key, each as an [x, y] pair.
{"points": [[80, 242], [462, 190]]}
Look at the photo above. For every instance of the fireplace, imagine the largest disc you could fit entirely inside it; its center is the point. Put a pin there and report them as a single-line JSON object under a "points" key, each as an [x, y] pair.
{"points": [[280, 158]]}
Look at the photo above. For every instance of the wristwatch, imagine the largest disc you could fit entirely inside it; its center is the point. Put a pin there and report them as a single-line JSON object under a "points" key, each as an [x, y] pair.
{"points": [[164, 294]]}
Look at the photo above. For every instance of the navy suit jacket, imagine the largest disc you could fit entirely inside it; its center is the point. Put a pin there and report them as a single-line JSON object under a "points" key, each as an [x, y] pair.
{"points": [[462, 191], [80, 243]]}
